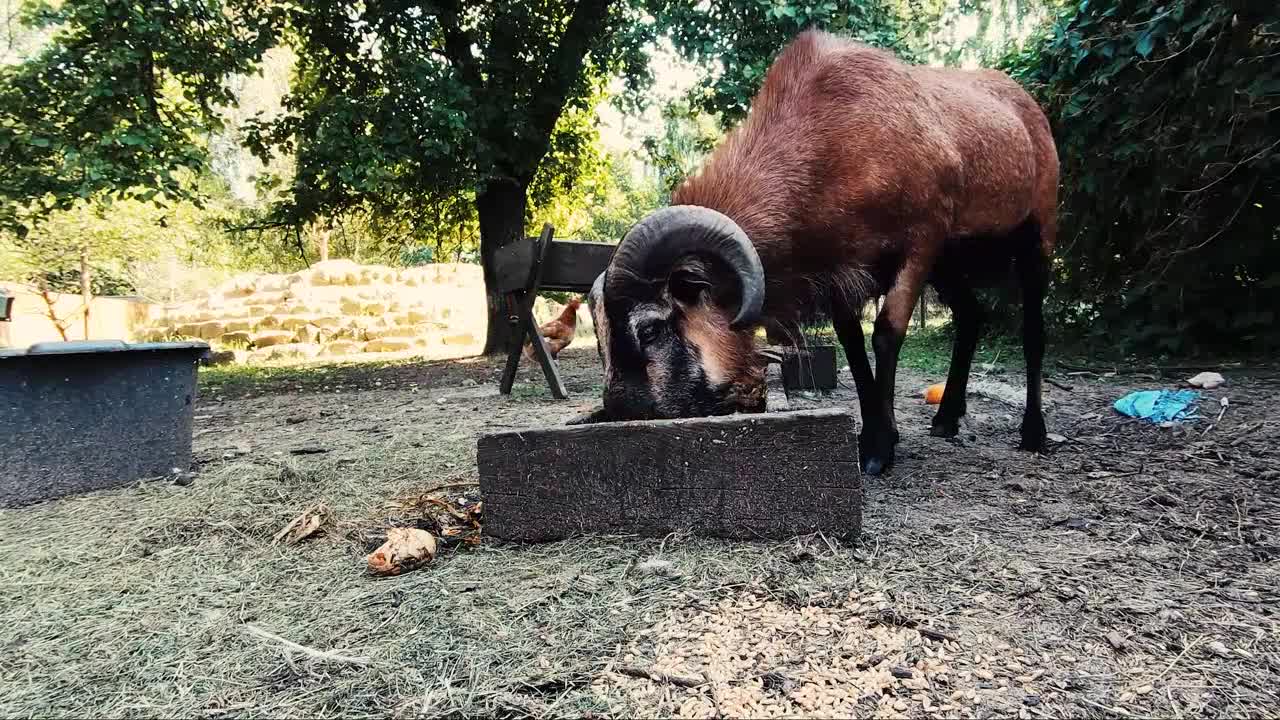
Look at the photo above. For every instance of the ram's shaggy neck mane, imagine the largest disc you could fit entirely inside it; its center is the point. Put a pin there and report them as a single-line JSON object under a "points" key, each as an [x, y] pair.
{"points": [[752, 183], [761, 176]]}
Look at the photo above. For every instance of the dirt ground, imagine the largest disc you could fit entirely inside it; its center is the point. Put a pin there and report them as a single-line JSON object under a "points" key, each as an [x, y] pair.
{"points": [[1130, 571]]}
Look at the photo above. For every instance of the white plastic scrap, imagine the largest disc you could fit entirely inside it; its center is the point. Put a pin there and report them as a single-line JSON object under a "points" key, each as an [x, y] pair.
{"points": [[1207, 380]]}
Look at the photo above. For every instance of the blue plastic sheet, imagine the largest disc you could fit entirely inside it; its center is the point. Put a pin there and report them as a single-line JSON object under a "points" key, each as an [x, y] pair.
{"points": [[1159, 406]]}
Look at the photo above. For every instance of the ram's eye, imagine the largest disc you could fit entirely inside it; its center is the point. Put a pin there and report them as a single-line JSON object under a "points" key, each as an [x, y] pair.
{"points": [[649, 331]]}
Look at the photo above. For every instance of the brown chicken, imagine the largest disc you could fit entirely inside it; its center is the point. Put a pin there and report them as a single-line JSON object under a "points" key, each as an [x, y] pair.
{"points": [[558, 332]]}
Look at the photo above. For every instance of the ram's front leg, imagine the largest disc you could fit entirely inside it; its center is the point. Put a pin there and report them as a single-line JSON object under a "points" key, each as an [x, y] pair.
{"points": [[881, 437], [848, 325]]}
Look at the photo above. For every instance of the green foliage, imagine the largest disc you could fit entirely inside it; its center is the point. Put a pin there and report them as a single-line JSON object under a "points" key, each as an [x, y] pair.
{"points": [[136, 248], [1165, 116], [933, 28], [743, 36], [120, 101], [687, 137], [418, 256], [619, 200], [391, 108]]}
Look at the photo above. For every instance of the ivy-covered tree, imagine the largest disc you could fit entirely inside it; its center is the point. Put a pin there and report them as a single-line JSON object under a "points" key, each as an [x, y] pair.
{"points": [[396, 101], [1166, 118]]}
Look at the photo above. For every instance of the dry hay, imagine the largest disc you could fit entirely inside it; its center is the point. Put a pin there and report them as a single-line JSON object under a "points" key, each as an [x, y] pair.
{"points": [[1134, 568], [749, 656]]}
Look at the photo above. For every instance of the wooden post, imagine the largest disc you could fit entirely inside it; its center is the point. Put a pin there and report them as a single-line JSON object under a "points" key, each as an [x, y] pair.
{"points": [[776, 393], [86, 291], [924, 311], [520, 315]]}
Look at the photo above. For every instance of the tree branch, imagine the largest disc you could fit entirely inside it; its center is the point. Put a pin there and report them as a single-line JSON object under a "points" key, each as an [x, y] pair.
{"points": [[148, 72], [564, 67], [457, 41], [302, 249], [269, 225]]}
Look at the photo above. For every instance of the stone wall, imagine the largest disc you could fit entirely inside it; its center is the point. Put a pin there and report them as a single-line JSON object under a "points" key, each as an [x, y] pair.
{"points": [[341, 309]]}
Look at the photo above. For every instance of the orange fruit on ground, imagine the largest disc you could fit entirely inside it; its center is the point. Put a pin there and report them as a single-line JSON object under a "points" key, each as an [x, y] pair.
{"points": [[933, 393]]}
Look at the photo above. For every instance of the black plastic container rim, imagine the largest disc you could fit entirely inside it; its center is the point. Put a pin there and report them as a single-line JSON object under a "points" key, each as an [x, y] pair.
{"points": [[86, 347]]}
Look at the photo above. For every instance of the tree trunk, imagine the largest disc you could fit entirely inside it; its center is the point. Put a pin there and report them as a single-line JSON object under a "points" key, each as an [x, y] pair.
{"points": [[322, 242], [86, 292], [501, 207]]}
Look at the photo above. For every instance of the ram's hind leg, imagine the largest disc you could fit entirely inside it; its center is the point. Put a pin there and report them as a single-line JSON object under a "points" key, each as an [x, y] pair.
{"points": [[1033, 275], [966, 318]]}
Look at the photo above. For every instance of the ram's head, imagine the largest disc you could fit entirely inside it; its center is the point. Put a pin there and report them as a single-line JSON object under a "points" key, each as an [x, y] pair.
{"points": [[675, 314]]}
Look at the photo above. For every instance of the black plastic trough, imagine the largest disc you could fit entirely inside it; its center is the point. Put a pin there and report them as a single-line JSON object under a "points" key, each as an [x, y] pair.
{"points": [[82, 416], [810, 368]]}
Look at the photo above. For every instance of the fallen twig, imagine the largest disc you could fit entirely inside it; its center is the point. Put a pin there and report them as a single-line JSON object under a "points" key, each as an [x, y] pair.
{"points": [[304, 525], [936, 635], [1243, 434], [453, 512], [1108, 708], [1060, 386], [684, 681], [716, 698], [889, 616], [450, 485], [310, 652], [1181, 655]]}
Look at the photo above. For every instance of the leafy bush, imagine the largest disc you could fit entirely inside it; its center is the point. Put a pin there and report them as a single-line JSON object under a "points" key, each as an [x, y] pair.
{"points": [[1166, 123]]}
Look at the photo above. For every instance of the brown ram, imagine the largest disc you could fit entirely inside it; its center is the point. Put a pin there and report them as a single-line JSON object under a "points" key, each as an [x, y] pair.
{"points": [[854, 176]]}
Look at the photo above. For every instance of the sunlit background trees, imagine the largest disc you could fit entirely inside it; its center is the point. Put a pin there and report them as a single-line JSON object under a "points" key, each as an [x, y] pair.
{"points": [[155, 148]]}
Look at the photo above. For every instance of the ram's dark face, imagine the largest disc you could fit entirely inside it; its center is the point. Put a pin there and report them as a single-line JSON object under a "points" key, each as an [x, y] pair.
{"points": [[674, 315]]}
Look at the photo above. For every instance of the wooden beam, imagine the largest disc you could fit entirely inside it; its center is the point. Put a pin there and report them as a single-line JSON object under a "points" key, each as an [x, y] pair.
{"points": [[513, 265], [574, 266], [765, 475], [540, 351], [521, 304], [514, 300], [571, 266]]}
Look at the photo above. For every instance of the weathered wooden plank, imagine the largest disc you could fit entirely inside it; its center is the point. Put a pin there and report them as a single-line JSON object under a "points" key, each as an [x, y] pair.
{"points": [[574, 266], [766, 475], [571, 266], [513, 265]]}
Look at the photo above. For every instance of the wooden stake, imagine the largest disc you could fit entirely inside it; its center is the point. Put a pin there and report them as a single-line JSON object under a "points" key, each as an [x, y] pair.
{"points": [[86, 292]]}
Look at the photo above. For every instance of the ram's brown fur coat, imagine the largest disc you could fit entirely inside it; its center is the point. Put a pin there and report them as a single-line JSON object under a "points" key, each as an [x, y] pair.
{"points": [[853, 165]]}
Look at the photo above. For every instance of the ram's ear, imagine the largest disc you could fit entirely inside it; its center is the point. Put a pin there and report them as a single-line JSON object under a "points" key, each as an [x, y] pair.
{"points": [[689, 281]]}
